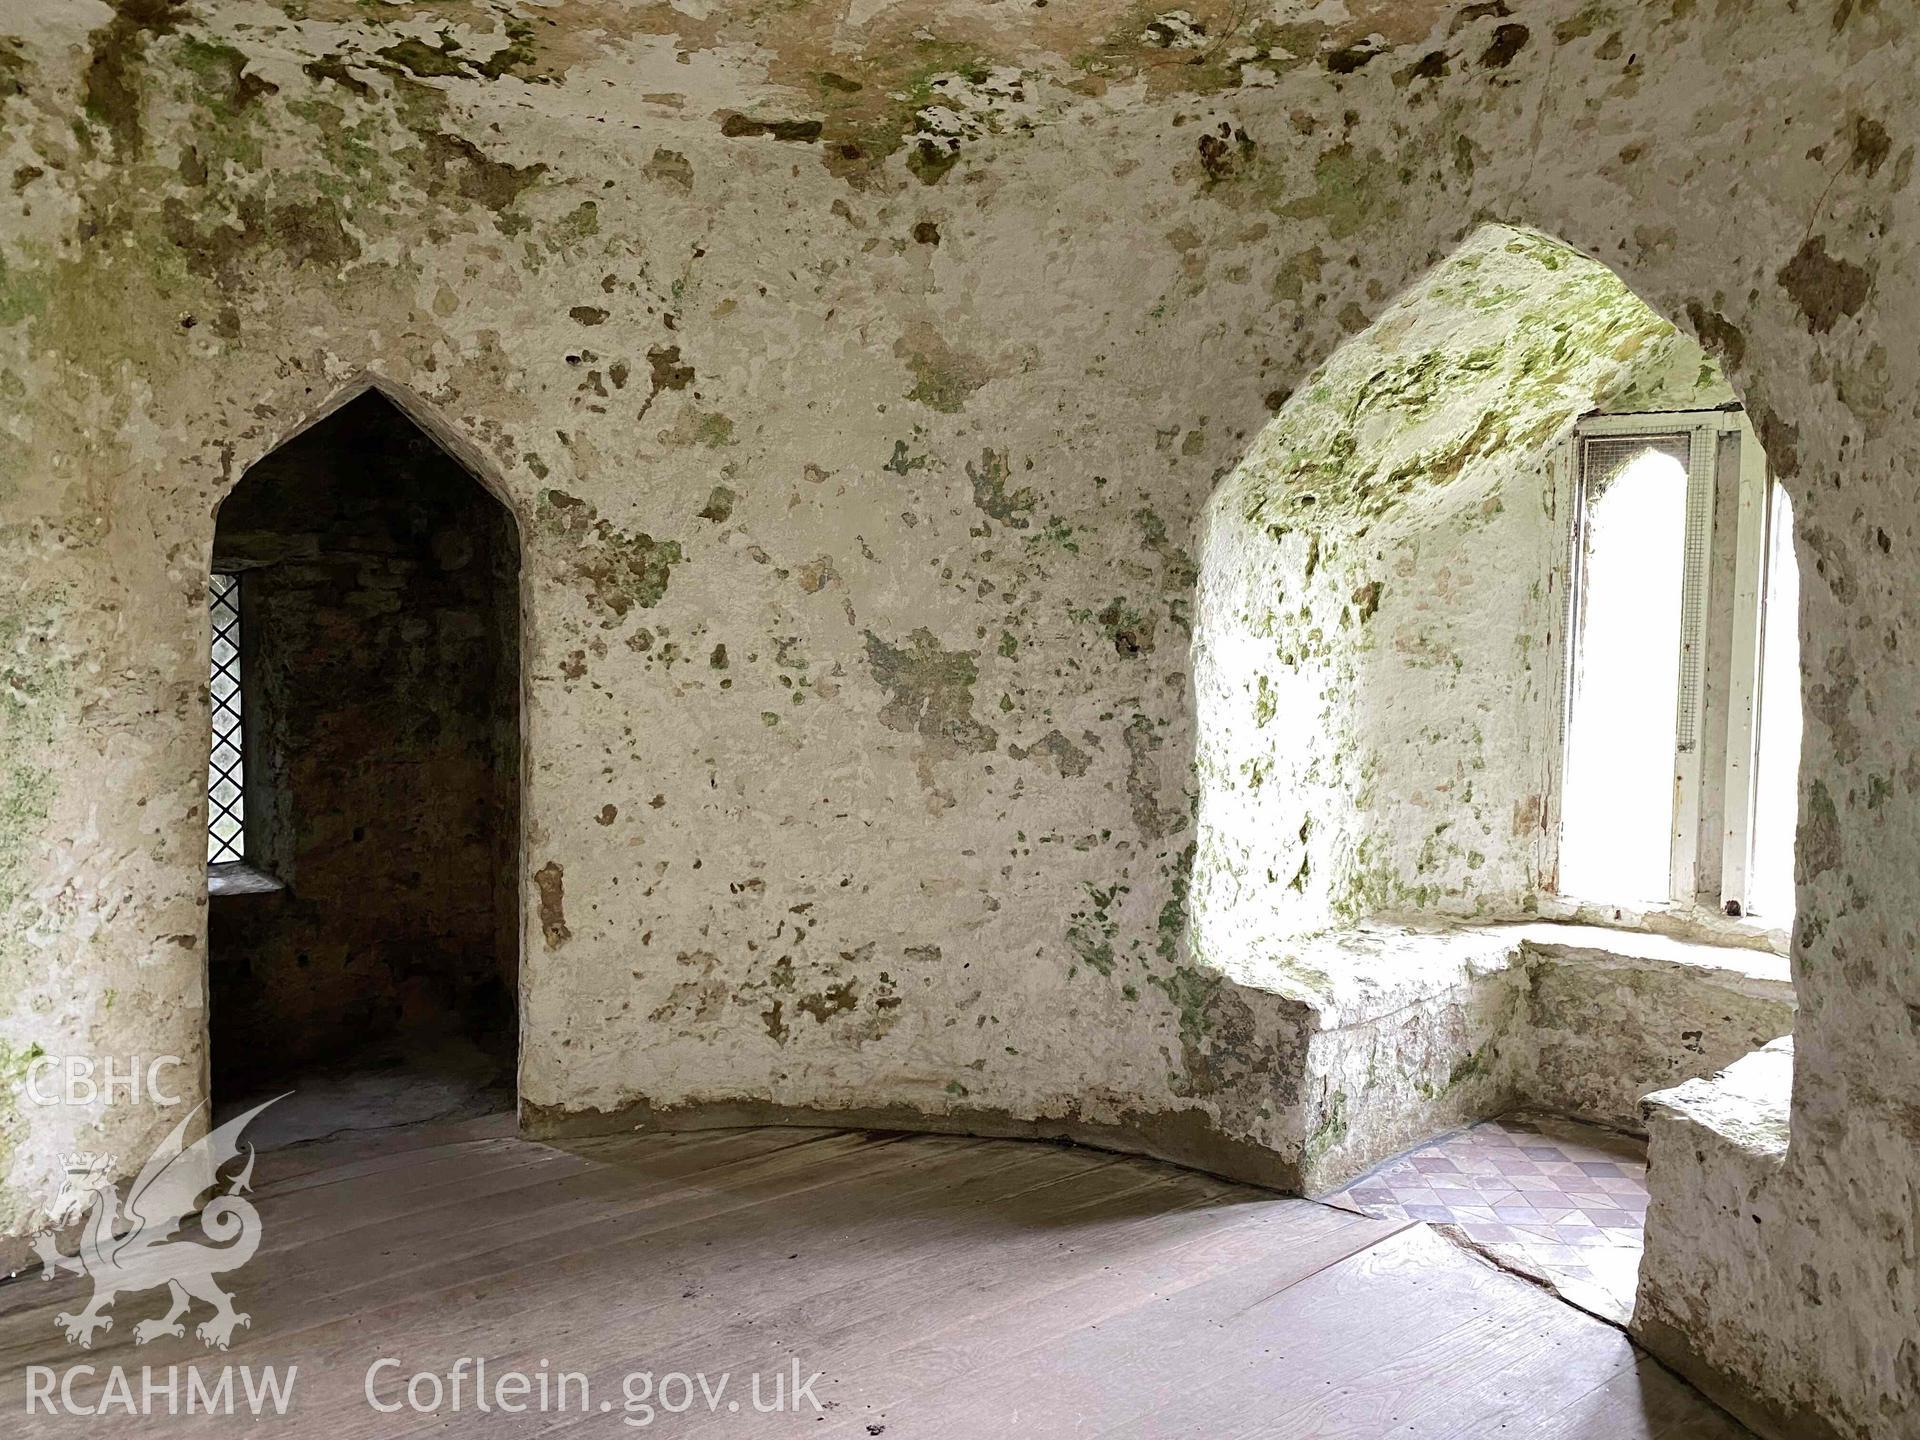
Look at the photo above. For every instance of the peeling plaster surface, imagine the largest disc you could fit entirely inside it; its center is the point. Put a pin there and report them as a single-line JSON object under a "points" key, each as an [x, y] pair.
{"points": [[872, 785]]}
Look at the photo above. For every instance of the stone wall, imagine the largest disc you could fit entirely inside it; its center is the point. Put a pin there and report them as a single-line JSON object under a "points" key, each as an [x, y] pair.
{"points": [[857, 379]]}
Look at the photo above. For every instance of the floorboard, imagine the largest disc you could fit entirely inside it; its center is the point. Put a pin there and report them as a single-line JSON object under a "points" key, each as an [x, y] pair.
{"points": [[940, 1286]]}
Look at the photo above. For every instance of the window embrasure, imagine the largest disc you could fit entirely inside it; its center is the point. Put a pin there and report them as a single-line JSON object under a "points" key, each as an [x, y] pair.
{"points": [[1680, 705]]}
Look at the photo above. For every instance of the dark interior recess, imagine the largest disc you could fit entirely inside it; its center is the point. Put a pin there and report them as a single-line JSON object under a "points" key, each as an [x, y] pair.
{"points": [[380, 655]]}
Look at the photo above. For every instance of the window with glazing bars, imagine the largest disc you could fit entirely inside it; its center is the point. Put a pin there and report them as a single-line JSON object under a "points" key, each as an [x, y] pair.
{"points": [[226, 784], [1679, 756]]}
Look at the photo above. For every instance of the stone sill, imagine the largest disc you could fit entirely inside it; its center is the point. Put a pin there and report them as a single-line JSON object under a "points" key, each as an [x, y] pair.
{"points": [[1690, 923], [1757, 972], [1351, 977], [1358, 976], [236, 877], [1746, 1105]]}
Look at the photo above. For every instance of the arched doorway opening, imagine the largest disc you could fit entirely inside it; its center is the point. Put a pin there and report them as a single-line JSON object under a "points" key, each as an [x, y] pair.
{"points": [[363, 783]]}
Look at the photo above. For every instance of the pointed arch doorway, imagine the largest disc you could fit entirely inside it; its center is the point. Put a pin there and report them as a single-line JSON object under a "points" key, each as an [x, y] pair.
{"points": [[364, 782]]}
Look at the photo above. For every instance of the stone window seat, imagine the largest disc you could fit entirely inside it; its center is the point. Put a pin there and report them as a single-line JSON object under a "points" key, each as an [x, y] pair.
{"points": [[1715, 1148], [1611, 1016], [1400, 1033], [1356, 976], [1352, 977], [1762, 971], [1745, 1106]]}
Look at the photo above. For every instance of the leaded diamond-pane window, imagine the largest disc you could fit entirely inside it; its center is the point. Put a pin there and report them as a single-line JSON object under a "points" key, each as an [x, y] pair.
{"points": [[226, 798]]}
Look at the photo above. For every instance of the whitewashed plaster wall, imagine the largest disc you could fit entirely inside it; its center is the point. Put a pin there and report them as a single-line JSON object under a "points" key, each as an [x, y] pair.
{"points": [[897, 352]]}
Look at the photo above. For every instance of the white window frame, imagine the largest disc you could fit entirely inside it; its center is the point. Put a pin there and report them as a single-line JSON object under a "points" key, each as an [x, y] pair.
{"points": [[1756, 522], [1711, 839]]}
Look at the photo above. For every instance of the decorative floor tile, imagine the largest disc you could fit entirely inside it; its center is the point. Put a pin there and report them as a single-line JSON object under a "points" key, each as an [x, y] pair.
{"points": [[1555, 1198]]}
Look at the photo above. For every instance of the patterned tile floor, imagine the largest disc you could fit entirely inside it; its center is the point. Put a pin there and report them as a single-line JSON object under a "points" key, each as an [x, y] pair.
{"points": [[1560, 1200]]}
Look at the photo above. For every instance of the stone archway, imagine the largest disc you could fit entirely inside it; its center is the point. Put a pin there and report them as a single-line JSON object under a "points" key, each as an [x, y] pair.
{"points": [[364, 843], [1379, 597]]}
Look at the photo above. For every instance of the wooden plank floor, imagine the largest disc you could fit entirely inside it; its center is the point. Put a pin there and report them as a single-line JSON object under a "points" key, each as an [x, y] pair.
{"points": [[939, 1286]]}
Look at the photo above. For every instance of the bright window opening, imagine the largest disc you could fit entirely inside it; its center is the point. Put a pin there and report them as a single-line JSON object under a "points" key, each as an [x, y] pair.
{"points": [[1679, 780], [226, 794], [1617, 809]]}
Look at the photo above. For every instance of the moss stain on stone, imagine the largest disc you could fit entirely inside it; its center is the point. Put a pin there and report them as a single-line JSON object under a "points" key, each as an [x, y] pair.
{"points": [[550, 883], [944, 377], [990, 495], [930, 692], [834, 1000], [111, 96], [622, 570]]}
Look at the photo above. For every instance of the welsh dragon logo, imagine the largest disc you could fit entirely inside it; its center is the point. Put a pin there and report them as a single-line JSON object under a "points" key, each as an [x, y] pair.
{"points": [[136, 1250]]}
